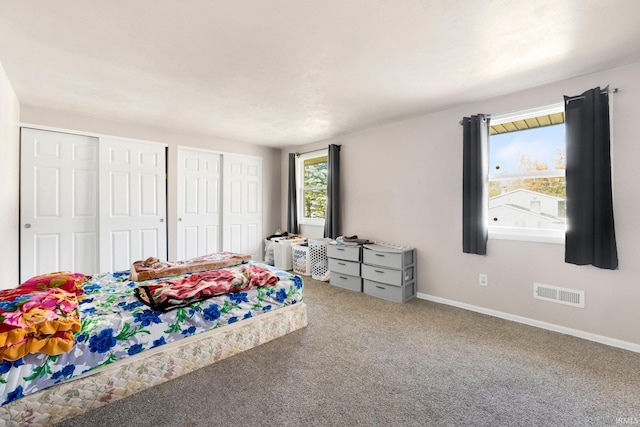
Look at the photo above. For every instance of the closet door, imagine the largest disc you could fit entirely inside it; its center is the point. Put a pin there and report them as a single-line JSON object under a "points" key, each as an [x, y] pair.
{"points": [[242, 205], [58, 203], [198, 203], [132, 203]]}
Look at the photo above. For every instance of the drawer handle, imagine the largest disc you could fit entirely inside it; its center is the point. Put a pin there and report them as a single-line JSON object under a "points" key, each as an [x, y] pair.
{"points": [[379, 271], [343, 278], [380, 287], [380, 255], [339, 249], [341, 263]]}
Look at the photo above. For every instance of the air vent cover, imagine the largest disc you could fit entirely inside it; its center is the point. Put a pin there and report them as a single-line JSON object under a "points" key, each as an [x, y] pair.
{"points": [[558, 295]]}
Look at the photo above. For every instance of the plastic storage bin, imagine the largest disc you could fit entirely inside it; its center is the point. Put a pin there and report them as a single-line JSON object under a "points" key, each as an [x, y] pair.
{"points": [[301, 260], [318, 256]]}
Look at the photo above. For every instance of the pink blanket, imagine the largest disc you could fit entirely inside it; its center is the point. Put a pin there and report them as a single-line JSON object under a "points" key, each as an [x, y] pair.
{"points": [[153, 268], [167, 295]]}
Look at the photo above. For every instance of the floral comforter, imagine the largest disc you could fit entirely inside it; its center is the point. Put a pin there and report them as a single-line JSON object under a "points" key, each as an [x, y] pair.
{"points": [[116, 325]]}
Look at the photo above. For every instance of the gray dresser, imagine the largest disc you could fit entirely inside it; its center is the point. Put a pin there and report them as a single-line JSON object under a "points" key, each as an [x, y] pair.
{"points": [[389, 272], [344, 265]]}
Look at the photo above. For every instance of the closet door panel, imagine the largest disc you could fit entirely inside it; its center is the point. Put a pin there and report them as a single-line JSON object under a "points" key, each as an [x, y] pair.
{"points": [[198, 202], [148, 195], [85, 200], [47, 194], [149, 242], [242, 205], [119, 195], [58, 203], [132, 203], [233, 238], [190, 241], [47, 254], [85, 251], [212, 238]]}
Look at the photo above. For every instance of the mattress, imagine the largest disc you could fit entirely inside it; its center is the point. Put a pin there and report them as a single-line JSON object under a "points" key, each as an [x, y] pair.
{"points": [[119, 332]]}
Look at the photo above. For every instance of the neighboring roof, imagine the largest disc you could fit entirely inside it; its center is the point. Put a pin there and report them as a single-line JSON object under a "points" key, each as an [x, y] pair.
{"points": [[524, 190], [519, 208], [534, 122]]}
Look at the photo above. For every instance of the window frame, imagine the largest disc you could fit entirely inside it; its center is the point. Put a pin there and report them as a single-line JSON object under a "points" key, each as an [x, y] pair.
{"points": [[301, 188], [521, 233]]}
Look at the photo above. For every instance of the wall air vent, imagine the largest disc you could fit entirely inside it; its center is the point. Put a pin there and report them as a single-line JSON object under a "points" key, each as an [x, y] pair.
{"points": [[558, 295]]}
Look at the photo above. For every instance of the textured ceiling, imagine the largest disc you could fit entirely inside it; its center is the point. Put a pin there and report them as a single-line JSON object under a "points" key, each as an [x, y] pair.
{"points": [[287, 72]]}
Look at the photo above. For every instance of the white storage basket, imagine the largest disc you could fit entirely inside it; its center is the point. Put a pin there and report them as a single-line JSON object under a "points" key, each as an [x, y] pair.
{"points": [[318, 256], [301, 261], [282, 254], [268, 252]]}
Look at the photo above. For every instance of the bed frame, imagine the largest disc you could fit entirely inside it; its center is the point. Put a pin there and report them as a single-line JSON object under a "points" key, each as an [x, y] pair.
{"points": [[151, 368]]}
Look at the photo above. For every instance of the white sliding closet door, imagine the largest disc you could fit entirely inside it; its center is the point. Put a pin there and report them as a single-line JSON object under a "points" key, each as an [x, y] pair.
{"points": [[198, 203], [58, 203], [242, 205], [132, 203]]}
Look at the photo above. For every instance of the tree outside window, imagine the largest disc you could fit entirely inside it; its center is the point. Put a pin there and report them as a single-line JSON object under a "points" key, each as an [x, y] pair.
{"points": [[314, 187]]}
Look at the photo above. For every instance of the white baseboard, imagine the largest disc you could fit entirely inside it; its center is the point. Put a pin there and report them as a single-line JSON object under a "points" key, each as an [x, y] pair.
{"points": [[537, 323]]}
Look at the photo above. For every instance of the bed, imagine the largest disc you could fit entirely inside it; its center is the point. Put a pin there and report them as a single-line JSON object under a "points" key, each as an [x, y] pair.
{"points": [[123, 346]]}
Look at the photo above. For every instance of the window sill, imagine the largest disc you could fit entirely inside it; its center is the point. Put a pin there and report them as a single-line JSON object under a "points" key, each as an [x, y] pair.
{"points": [[528, 235], [314, 222]]}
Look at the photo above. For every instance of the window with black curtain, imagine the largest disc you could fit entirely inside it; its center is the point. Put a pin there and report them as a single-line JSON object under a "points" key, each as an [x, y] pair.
{"points": [[590, 237], [475, 164]]}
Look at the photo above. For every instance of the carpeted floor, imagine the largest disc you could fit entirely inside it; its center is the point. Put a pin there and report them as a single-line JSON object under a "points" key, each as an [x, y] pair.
{"points": [[363, 361]]}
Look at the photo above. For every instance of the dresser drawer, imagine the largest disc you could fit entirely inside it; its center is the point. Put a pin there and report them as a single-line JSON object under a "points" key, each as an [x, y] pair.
{"points": [[345, 281], [345, 267], [382, 275], [349, 253], [383, 259], [392, 293], [388, 257]]}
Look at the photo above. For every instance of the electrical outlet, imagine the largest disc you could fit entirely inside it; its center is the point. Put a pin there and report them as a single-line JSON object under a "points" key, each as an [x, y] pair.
{"points": [[483, 280]]}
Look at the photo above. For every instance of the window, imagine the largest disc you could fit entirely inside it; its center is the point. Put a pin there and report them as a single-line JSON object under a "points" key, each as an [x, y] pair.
{"points": [[312, 187], [527, 184]]}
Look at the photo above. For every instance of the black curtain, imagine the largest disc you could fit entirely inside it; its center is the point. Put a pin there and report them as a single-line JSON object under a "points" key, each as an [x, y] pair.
{"points": [[590, 236], [292, 201], [475, 167], [332, 218]]}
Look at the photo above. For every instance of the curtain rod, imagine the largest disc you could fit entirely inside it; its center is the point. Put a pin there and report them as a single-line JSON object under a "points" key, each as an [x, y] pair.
{"points": [[461, 122], [319, 149], [576, 98]]}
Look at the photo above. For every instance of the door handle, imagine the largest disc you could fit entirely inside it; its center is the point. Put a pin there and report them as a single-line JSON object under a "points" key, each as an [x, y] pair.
{"points": [[179, 219], [161, 219], [27, 226]]}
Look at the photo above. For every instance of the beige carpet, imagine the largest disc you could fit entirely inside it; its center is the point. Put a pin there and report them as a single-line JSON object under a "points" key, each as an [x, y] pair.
{"points": [[363, 361]]}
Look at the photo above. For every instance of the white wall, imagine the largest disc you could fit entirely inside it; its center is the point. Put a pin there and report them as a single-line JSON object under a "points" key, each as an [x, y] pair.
{"points": [[9, 178], [270, 164], [401, 182]]}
